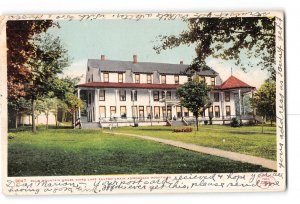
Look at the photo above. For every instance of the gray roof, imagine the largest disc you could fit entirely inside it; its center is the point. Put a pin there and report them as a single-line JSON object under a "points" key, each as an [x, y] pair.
{"points": [[144, 67]]}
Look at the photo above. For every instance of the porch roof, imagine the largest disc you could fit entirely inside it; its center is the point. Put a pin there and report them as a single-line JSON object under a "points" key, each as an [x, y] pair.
{"points": [[128, 85], [234, 83]]}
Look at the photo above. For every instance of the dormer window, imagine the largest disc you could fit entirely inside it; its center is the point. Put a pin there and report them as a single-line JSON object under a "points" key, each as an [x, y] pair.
{"points": [[149, 78], [120, 77], [163, 79], [176, 79], [105, 77], [137, 78]]}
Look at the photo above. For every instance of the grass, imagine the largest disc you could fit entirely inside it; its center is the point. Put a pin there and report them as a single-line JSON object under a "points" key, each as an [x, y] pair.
{"points": [[91, 152], [246, 139]]}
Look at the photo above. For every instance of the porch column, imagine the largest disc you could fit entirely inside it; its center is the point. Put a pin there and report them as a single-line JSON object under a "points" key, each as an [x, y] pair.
{"points": [[96, 109], [150, 104], [240, 105], [222, 106], [79, 111], [166, 111], [116, 103]]}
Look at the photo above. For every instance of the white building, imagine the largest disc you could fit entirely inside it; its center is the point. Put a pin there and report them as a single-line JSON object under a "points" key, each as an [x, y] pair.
{"points": [[125, 93]]}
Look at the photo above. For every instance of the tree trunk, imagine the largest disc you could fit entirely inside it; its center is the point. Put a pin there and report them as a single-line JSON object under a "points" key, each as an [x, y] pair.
{"points": [[73, 119], [16, 120], [197, 125], [56, 120], [47, 118], [33, 115]]}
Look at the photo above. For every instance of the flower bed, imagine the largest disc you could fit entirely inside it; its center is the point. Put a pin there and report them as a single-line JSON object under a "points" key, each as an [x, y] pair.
{"points": [[188, 129]]}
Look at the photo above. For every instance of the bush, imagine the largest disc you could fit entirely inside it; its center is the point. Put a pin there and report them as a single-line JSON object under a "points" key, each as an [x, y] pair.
{"points": [[205, 122], [188, 129], [234, 122]]}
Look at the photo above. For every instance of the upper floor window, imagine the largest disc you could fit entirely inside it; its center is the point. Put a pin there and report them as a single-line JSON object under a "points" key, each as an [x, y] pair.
{"points": [[168, 97], [120, 77], [122, 94], [133, 95], [163, 79], [105, 77], [213, 81], [149, 78], [227, 96], [101, 95], [216, 97], [163, 95], [155, 95], [137, 78], [176, 79]]}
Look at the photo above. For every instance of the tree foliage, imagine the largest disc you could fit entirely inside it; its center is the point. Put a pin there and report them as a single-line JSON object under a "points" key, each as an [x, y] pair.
{"points": [[264, 100], [227, 38], [19, 50], [194, 95]]}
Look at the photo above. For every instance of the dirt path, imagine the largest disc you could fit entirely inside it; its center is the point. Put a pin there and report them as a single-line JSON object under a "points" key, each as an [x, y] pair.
{"points": [[270, 164]]}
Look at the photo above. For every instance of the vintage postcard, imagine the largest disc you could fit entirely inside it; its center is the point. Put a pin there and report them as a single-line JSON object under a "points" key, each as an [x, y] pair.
{"points": [[143, 103]]}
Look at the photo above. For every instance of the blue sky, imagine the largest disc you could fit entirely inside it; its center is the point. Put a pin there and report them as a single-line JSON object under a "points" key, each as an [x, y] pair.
{"points": [[121, 39]]}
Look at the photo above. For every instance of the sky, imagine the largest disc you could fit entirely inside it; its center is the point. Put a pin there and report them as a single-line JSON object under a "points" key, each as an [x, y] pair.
{"points": [[121, 39]]}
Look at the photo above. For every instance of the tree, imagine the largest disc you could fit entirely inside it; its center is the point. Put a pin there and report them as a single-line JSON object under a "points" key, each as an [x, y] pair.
{"points": [[194, 96], [49, 60], [264, 100], [227, 38], [19, 50]]}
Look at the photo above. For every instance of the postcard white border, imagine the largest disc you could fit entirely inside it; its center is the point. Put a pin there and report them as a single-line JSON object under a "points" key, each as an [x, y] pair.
{"points": [[241, 182]]}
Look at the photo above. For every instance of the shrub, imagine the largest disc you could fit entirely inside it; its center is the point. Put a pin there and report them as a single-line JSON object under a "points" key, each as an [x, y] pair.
{"points": [[188, 129], [205, 122], [234, 122]]}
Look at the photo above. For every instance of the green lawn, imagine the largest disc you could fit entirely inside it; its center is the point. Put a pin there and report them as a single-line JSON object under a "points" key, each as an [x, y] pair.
{"points": [[91, 152], [246, 139]]}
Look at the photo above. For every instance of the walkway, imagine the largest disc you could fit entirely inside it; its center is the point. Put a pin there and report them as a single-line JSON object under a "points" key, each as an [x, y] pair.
{"points": [[270, 164]]}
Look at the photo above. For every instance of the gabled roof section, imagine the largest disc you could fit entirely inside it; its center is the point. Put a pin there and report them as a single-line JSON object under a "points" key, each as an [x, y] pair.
{"points": [[144, 67], [233, 83]]}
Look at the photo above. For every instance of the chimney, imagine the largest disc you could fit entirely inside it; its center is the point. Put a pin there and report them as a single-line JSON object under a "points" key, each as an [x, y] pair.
{"points": [[181, 62], [102, 57], [135, 59]]}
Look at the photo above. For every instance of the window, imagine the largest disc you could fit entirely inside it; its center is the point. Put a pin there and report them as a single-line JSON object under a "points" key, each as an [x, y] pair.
{"points": [[163, 95], [149, 78], [134, 111], [105, 77], [213, 82], [90, 99], [185, 112], [137, 78], [134, 95], [168, 95], [228, 111], [210, 112], [227, 96], [217, 111], [102, 112], [120, 77], [149, 112], [141, 111], [156, 112], [123, 112], [216, 97], [112, 111], [163, 79], [155, 96], [122, 94], [101, 95], [176, 79]]}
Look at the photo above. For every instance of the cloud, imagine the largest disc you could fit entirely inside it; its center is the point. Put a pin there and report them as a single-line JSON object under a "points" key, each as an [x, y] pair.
{"points": [[76, 69], [253, 76]]}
